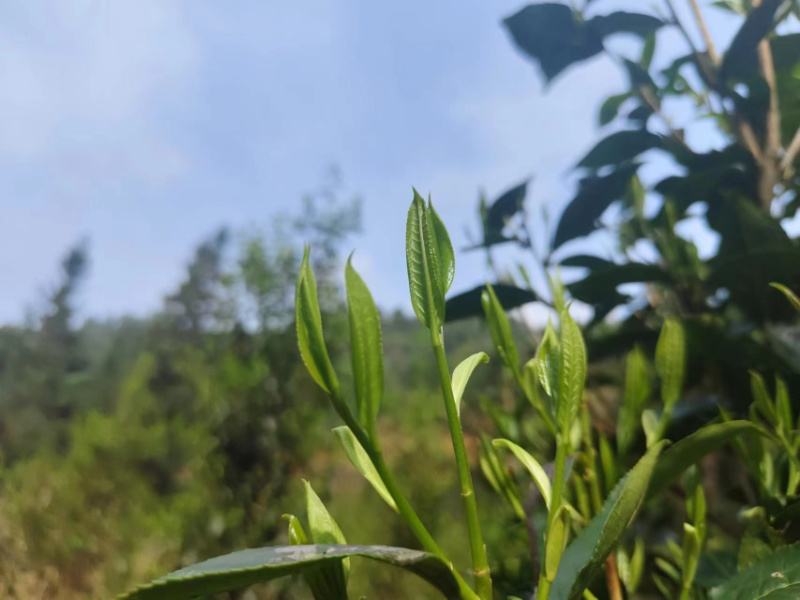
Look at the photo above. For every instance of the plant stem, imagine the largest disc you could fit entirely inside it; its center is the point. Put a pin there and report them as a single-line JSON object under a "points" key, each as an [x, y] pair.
{"points": [[480, 563], [701, 24], [543, 589], [373, 450], [537, 404]]}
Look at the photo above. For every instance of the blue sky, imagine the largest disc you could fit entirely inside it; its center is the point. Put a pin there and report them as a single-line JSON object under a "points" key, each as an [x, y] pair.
{"points": [[144, 125]]}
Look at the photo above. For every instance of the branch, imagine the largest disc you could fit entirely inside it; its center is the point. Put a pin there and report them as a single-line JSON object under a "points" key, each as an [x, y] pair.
{"points": [[772, 139], [701, 24], [791, 152]]}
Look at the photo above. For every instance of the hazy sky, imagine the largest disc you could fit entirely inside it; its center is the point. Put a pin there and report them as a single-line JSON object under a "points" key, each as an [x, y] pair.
{"points": [[144, 125]]}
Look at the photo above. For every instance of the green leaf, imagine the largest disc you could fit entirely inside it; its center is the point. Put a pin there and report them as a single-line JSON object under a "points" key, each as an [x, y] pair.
{"points": [[650, 426], [424, 270], [555, 542], [625, 22], [595, 194], [468, 304], [316, 577], [762, 399], [550, 34], [325, 530], [571, 373], [584, 557], [361, 461], [648, 51], [671, 361], [693, 448], [777, 577], [444, 249], [309, 330], [499, 327], [636, 394], [743, 47], [547, 361], [536, 470], [248, 567], [788, 293], [366, 348], [610, 108], [619, 147], [462, 372], [498, 476]]}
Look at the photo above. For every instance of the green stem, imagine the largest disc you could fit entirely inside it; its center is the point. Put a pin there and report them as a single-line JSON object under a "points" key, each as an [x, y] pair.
{"points": [[663, 423], [370, 444], [543, 589], [480, 563]]}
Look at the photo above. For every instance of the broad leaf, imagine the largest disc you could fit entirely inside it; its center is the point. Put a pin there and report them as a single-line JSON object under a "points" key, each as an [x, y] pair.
{"points": [[499, 327], [571, 372], [424, 270], [468, 304], [366, 348], [247, 567], [602, 281], [625, 22], [620, 147], [462, 372], [584, 557], [671, 361], [309, 330], [742, 50], [777, 577], [550, 34], [505, 207], [540, 477], [693, 448], [595, 194], [361, 461]]}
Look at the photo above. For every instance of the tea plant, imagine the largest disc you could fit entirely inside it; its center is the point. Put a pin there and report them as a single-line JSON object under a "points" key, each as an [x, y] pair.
{"points": [[581, 531]]}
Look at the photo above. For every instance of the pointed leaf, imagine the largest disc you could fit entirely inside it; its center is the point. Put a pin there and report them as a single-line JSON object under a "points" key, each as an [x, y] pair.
{"points": [[625, 22], [366, 349], [691, 449], [584, 557], [555, 542], [777, 577], [325, 530], [536, 470], [315, 577], [571, 372], [248, 567], [424, 271], [309, 330], [610, 108], [619, 147], [671, 361], [637, 391], [499, 327], [788, 293], [444, 249], [498, 476], [506, 207], [361, 461], [742, 50], [462, 372]]}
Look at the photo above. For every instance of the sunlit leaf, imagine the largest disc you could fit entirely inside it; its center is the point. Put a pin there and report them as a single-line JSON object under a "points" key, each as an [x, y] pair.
{"points": [[571, 372], [316, 577], [462, 372], [366, 348], [498, 476], [540, 477], [361, 461], [555, 542], [424, 271], [309, 330], [444, 249], [584, 557], [788, 293], [247, 567], [671, 360], [324, 530]]}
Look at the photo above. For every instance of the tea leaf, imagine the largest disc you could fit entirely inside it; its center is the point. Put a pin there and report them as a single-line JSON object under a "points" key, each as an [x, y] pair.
{"points": [[637, 391], [325, 530], [498, 476], [788, 293], [536, 470], [671, 361], [556, 541], [610, 108], [547, 362], [361, 461], [424, 269], [444, 249], [693, 448], [584, 557], [309, 330], [247, 567], [762, 399], [619, 147], [316, 577], [462, 372], [499, 328], [366, 349], [571, 372], [776, 577]]}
